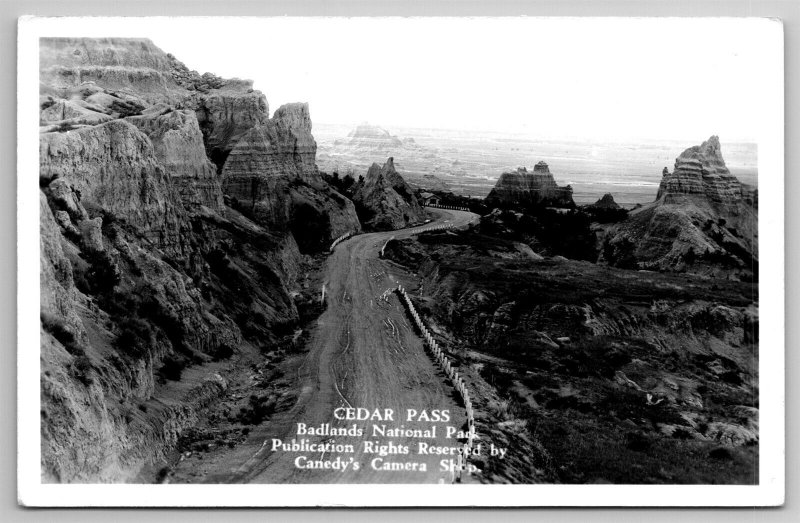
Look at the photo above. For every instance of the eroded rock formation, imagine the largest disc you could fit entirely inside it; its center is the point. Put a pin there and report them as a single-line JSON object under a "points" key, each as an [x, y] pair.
{"points": [[372, 137], [522, 187], [272, 174], [139, 275], [385, 200], [703, 220], [606, 202]]}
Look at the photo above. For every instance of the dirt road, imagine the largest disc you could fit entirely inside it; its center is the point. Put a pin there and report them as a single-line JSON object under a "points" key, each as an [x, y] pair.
{"points": [[363, 353]]}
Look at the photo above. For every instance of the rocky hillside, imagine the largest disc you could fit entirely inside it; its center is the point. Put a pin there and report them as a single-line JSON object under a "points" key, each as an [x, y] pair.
{"points": [[592, 374], [703, 221], [521, 188], [150, 284], [385, 201]]}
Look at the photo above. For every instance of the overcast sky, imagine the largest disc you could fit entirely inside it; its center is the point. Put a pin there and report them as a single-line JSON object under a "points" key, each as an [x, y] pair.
{"points": [[681, 79]]}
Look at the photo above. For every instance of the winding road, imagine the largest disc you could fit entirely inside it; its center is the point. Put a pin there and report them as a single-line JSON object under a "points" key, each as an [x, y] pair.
{"points": [[363, 353]]}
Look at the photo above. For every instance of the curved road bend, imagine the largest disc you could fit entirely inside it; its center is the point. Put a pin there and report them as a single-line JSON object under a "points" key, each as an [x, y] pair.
{"points": [[362, 353]]}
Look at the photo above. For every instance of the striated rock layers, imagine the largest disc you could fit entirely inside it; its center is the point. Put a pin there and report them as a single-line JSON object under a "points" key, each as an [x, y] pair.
{"points": [[144, 269], [123, 75], [385, 201], [522, 188], [113, 166], [178, 146], [273, 176], [703, 221]]}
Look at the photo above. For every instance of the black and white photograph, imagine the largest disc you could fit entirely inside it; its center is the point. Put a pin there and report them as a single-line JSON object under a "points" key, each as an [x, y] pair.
{"points": [[402, 253]]}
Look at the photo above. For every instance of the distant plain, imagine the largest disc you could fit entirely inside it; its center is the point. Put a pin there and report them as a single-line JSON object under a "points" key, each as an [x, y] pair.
{"points": [[469, 163]]}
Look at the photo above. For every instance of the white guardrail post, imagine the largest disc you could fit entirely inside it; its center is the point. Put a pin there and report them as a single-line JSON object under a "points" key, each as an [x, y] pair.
{"points": [[458, 382]]}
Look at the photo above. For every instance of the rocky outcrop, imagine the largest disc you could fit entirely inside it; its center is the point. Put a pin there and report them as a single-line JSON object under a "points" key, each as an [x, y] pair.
{"points": [[703, 220], [114, 166], [105, 73], [144, 269], [522, 188], [273, 176], [226, 114], [178, 146], [700, 171], [605, 203], [66, 112], [385, 201], [112, 63], [372, 137]]}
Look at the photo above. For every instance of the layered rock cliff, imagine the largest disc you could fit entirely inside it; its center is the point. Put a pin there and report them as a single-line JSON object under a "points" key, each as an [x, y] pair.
{"points": [[178, 146], [703, 220], [522, 188], [385, 201], [272, 174], [145, 271]]}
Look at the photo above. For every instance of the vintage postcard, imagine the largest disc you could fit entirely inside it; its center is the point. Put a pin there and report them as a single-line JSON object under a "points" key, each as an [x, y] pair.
{"points": [[400, 262]]}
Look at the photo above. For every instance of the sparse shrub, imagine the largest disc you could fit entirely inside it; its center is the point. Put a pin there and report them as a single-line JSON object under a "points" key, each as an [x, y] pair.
{"points": [[172, 368], [135, 338], [637, 441], [218, 261], [681, 433], [594, 356], [64, 127], [731, 377], [258, 409], [103, 274], [81, 369], [721, 454], [162, 474], [56, 327], [501, 409], [223, 352]]}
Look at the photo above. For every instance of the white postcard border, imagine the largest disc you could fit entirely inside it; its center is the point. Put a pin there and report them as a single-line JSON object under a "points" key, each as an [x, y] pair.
{"points": [[31, 492]]}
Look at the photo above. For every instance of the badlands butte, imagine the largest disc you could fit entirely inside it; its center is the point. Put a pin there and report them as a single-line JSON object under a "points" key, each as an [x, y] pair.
{"points": [[193, 312]]}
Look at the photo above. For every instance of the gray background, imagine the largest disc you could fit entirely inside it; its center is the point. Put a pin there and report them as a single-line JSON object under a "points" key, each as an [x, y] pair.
{"points": [[10, 10]]}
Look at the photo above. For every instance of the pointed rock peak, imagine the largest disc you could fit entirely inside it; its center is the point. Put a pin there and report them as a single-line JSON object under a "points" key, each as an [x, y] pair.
{"points": [[541, 168], [374, 171], [606, 202], [607, 198], [389, 165], [710, 150]]}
